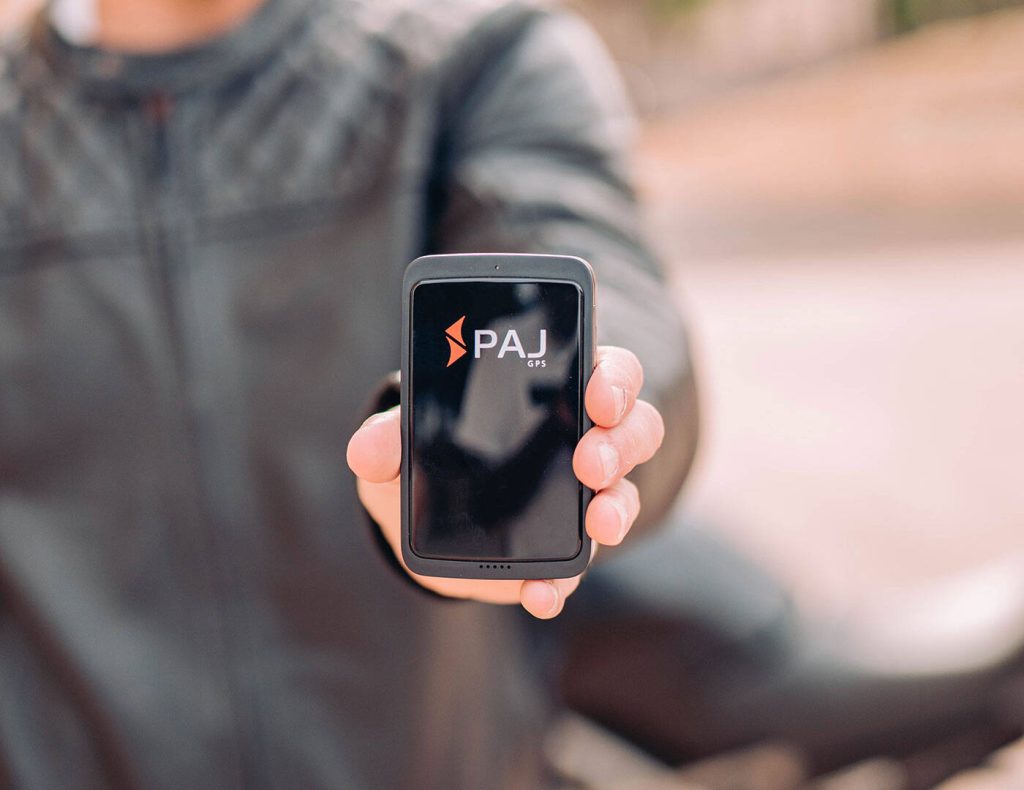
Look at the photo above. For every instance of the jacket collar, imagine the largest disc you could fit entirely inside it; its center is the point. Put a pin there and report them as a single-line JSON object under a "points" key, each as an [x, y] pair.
{"points": [[206, 63]]}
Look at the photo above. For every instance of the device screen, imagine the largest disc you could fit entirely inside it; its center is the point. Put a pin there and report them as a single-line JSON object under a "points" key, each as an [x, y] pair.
{"points": [[496, 415]]}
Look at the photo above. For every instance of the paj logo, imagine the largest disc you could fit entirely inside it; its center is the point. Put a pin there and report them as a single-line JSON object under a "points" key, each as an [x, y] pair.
{"points": [[484, 339]]}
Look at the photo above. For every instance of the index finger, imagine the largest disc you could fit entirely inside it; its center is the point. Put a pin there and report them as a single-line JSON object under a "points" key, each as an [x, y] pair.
{"points": [[614, 385]]}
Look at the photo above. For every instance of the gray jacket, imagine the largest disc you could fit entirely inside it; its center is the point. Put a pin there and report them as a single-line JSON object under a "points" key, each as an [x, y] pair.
{"points": [[200, 263]]}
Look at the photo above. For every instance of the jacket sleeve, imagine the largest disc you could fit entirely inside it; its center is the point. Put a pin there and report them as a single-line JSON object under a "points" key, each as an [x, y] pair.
{"points": [[531, 157]]}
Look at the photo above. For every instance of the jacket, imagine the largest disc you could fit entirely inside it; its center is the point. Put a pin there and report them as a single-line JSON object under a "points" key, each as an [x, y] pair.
{"points": [[201, 256]]}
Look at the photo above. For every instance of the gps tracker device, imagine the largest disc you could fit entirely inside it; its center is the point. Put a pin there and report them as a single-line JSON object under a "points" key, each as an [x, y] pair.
{"points": [[497, 350]]}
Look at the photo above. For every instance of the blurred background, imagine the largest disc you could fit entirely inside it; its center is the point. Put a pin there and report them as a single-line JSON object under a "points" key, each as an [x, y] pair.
{"points": [[838, 190]]}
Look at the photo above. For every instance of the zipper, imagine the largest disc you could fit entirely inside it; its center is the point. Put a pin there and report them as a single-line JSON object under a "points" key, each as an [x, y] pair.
{"points": [[157, 207], [157, 109]]}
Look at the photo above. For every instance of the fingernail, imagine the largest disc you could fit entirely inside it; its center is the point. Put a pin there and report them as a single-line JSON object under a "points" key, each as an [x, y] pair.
{"points": [[619, 396], [609, 461], [554, 599], [623, 519]]}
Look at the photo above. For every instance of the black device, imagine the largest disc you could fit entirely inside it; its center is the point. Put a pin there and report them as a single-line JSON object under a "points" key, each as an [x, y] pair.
{"points": [[497, 351]]}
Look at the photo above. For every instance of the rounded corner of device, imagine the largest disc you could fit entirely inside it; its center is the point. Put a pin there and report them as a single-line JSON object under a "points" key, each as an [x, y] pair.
{"points": [[581, 561], [564, 568], [414, 272], [413, 561], [585, 264], [583, 276]]}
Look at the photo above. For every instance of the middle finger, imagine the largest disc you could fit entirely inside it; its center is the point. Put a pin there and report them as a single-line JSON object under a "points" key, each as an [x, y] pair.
{"points": [[604, 455]]}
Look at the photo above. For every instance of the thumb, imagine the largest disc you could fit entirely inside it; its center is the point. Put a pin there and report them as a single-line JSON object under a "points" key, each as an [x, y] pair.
{"points": [[375, 449]]}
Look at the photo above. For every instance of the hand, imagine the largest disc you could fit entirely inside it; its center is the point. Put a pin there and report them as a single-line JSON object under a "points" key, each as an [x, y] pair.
{"points": [[627, 432]]}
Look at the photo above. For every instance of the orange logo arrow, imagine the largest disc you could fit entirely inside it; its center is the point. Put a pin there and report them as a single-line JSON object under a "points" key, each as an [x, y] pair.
{"points": [[456, 344]]}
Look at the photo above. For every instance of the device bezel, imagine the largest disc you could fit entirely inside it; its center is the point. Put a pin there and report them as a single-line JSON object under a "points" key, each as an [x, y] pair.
{"points": [[512, 267]]}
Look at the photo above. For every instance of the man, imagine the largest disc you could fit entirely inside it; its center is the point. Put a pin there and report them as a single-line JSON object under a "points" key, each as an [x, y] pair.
{"points": [[205, 212]]}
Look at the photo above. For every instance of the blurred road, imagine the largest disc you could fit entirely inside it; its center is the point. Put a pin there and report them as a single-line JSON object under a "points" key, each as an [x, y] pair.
{"points": [[849, 243]]}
